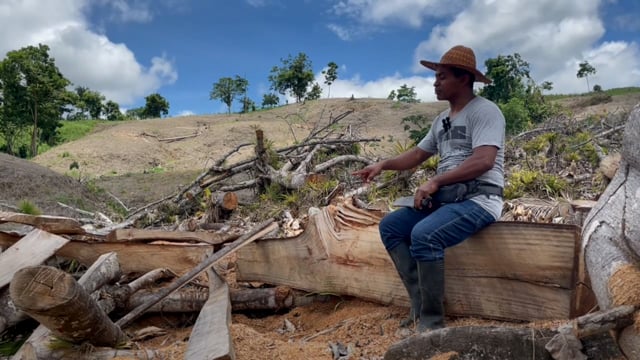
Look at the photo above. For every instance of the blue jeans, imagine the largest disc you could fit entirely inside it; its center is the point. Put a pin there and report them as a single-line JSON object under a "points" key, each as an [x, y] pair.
{"points": [[429, 235]]}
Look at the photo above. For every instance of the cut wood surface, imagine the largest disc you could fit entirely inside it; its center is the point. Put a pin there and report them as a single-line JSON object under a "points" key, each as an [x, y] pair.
{"points": [[141, 235], [52, 224], [511, 271], [211, 338], [133, 257], [33, 249]]}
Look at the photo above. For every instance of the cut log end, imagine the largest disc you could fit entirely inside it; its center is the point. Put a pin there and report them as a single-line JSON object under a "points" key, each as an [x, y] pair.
{"points": [[229, 201], [40, 288]]}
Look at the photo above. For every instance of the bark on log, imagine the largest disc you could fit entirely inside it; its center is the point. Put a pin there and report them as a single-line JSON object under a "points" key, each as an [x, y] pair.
{"points": [[51, 224], [566, 344], [478, 342], [57, 301], [36, 346], [611, 237]]}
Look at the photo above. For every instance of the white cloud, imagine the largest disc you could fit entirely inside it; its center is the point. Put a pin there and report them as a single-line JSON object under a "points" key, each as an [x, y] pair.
{"points": [[552, 36], [410, 13], [607, 59], [128, 10], [371, 16], [186, 113], [257, 3], [82, 55], [379, 88]]}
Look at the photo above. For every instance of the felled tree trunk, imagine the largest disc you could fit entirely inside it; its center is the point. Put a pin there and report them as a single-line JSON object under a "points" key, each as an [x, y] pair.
{"points": [[56, 300], [192, 299], [489, 342], [104, 270], [611, 238]]}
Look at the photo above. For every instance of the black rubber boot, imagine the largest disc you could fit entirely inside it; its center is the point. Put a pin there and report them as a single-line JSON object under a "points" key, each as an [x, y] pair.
{"points": [[431, 275], [408, 270]]}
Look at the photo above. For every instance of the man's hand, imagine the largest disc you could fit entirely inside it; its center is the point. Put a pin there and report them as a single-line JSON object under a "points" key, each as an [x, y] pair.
{"points": [[369, 173], [425, 191]]}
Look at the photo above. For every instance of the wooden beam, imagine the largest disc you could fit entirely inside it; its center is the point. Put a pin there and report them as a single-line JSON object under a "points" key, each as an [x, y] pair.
{"points": [[140, 235], [33, 249], [52, 224], [211, 338], [133, 257], [510, 271]]}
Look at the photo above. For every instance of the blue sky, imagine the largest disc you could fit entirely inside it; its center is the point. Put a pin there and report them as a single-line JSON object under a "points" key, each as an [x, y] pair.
{"points": [[127, 49]]}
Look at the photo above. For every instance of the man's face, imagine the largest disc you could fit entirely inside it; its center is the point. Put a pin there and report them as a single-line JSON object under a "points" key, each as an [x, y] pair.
{"points": [[447, 86]]}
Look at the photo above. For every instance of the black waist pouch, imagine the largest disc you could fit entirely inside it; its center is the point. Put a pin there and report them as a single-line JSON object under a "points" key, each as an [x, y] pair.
{"points": [[462, 191]]}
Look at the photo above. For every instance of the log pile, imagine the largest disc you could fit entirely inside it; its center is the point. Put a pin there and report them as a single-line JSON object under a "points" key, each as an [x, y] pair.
{"points": [[76, 312]]}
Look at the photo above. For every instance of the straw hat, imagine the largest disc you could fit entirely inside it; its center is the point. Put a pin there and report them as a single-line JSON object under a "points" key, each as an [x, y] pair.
{"points": [[460, 57]]}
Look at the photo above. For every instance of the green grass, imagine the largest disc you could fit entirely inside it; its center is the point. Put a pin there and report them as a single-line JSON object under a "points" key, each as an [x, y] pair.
{"points": [[612, 92], [74, 130]]}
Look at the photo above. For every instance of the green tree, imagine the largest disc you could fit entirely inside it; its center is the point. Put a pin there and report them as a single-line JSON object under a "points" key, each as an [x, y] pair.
{"points": [[135, 113], [155, 106], [314, 93], [294, 76], [93, 102], [248, 105], [330, 75], [392, 95], [516, 92], [112, 111], [13, 122], [33, 88], [510, 78], [270, 100], [585, 69], [407, 94], [226, 90]]}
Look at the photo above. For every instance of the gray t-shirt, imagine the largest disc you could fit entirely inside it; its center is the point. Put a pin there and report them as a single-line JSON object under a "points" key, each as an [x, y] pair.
{"points": [[480, 123]]}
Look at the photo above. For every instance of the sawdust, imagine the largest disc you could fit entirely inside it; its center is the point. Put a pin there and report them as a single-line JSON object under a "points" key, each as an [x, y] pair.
{"points": [[624, 285]]}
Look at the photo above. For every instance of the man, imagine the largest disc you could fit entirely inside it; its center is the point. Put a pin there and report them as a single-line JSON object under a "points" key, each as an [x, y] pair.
{"points": [[469, 138]]}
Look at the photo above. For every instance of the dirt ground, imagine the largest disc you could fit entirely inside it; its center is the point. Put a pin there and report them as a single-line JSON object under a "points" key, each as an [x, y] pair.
{"points": [[137, 164]]}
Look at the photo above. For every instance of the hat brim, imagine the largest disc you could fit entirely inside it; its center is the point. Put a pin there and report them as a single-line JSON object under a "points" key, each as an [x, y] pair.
{"points": [[479, 76]]}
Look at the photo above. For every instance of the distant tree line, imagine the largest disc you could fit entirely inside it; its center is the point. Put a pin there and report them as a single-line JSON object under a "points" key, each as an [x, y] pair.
{"points": [[293, 77], [35, 97]]}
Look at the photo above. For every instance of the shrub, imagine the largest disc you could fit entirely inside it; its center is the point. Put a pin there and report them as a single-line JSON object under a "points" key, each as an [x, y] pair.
{"points": [[27, 207], [516, 115]]}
